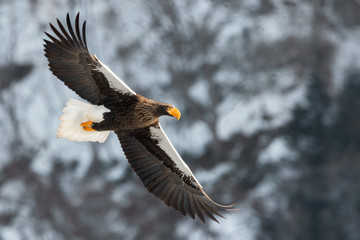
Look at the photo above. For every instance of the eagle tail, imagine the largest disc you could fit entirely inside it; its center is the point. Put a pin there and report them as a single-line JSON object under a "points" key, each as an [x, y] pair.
{"points": [[75, 114]]}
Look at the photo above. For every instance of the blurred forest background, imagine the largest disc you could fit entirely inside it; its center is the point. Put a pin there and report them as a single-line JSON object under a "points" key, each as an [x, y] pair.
{"points": [[269, 92]]}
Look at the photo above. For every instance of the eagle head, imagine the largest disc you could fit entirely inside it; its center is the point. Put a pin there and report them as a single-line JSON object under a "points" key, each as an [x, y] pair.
{"points": [[170, 110]]}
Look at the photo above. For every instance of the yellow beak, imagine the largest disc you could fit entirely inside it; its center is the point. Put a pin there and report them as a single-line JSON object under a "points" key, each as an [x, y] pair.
{"points": [[173, 111]]}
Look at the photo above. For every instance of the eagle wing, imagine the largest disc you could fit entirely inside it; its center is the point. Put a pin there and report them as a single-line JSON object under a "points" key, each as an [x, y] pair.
{"points": [[70, 60], [164, 173]]}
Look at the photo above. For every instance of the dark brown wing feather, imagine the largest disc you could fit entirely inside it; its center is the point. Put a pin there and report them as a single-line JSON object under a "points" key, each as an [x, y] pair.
{"points": [[70, 60], [165, 183]]}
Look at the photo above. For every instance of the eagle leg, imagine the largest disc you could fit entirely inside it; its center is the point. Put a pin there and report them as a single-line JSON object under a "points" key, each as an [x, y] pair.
{"points": [[87, 126]]}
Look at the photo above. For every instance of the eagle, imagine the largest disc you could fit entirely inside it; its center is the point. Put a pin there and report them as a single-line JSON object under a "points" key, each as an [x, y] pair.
{"points": [[113, 106]]}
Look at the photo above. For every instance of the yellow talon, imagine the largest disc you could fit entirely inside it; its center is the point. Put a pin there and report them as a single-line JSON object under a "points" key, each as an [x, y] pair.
{"points": [[87, 126]]}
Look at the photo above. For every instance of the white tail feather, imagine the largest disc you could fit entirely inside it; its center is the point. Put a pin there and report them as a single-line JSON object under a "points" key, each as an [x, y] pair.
{"points": [[77, 112]]}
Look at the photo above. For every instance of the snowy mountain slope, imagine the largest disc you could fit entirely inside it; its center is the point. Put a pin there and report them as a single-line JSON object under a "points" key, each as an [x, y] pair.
{"points": [[236, 70]]}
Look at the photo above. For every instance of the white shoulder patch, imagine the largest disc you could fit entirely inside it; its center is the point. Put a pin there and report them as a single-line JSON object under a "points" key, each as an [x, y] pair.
{"points": [[165, 144], [114, 81]]}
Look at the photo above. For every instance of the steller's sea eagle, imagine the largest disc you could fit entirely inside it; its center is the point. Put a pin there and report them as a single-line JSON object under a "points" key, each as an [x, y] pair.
{"points": [[134, 118]]}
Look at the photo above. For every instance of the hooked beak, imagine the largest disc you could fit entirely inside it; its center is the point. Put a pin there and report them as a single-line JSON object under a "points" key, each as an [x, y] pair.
{"points": [[173, 111]]}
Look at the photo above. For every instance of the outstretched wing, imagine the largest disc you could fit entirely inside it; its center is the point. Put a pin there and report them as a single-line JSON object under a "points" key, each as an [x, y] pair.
{"points": [[165, 174], [70, 61]]}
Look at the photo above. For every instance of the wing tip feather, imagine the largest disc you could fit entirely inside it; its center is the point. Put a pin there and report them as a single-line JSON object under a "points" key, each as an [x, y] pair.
{"points": [[188, 200]]}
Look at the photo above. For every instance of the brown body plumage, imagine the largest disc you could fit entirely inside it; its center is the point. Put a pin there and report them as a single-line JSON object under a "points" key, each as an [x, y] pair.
{"points": [[136, 112]]}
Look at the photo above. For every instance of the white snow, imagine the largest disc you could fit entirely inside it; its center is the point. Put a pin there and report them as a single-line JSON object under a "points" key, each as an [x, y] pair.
{"points": [[42, 163], [285, 22], [12, 190], [122, 192], [267, 190], [240, 225], [246, 115], [190, 138], [10, 233], [348, 55], [81, 152], [199, 92], [277, 150], [209, 177]]}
